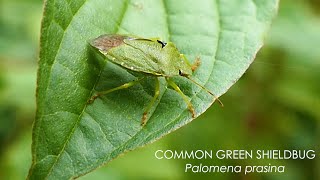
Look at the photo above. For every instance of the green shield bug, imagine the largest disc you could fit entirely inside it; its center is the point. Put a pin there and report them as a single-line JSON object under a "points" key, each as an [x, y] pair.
{"points": [[148, 56]]}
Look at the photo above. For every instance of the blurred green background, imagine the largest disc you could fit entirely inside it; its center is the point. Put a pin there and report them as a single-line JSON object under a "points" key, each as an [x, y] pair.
{"points": [[275, 105]]}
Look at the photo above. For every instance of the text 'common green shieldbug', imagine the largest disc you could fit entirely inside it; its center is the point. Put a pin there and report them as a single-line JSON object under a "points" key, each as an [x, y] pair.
{"points": [[148, 56]]}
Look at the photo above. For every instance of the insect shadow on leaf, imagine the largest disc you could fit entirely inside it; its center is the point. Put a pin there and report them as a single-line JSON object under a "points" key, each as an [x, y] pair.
{"points": [[151, 57]]}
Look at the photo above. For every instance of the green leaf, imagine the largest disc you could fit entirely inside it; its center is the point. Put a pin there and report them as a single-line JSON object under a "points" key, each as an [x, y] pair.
{"points": [[71, 137]]}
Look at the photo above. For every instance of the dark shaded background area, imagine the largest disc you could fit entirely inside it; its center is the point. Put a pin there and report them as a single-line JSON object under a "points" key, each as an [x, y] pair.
{"points": [[275, 105]]}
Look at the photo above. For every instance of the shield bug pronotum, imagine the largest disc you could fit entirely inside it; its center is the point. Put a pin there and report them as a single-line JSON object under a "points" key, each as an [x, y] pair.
{"points": [[151, 57]]}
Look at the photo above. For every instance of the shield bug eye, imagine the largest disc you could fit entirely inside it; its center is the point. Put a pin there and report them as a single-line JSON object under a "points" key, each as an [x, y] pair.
{"points": [[182, 74], [163, 44]]}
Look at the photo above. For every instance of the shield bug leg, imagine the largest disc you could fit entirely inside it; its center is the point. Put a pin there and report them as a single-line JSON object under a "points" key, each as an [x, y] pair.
{"points": [[185, 60], [156, 95], [185, 98], [193, 66], [196, 64], [124, 86]]}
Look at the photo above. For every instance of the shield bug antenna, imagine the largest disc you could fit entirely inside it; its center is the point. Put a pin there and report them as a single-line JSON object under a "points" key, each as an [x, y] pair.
{"points": [[216, 98], [208, 91]]}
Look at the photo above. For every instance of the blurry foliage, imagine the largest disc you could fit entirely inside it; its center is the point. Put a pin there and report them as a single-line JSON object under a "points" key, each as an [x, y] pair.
{"points": [[275, 105], [19, 36], [20, 27]]}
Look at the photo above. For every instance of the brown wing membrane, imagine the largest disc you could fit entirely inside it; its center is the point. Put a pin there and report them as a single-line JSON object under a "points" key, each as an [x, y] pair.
{"points": [[106, 42]]}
